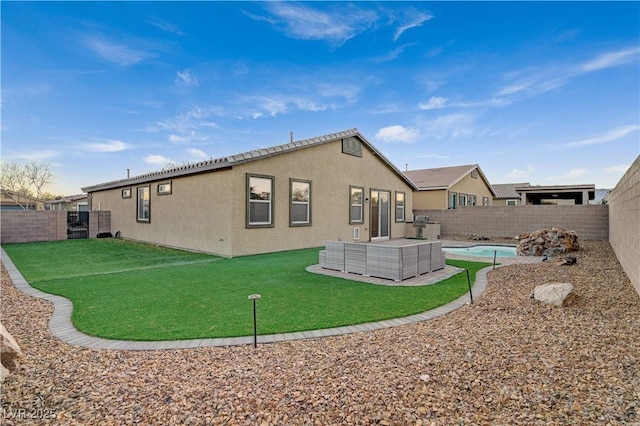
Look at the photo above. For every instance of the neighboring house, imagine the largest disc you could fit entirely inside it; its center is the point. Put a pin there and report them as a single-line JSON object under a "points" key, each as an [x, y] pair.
{"points": [[450, 187], [506, 194], [10, 200], [556, 194], [74, 203], [292, 196]]}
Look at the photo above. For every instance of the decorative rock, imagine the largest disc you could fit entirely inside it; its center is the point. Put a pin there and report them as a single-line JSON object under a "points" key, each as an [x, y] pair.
{"points": [[558, 294], [547, 242], [9, 352]]}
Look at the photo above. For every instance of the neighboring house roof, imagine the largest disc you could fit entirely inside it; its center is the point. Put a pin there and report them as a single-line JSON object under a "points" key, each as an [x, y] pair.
{"points": [[443, 177], [67, 199], [508, 190], [11, 195], [230, 161]]}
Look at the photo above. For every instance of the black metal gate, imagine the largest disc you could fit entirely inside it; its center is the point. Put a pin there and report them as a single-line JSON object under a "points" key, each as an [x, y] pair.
{"points": [[77, 225]]}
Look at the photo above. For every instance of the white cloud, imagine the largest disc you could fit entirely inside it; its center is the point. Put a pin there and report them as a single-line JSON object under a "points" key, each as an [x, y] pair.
{"points": [[611, 135], [303, 22], [437, 102], [196, 153], [516, 174], [165, 26], [450, 126], [178, 139], [574, 173], [157, 159], [188, 125], [434, 102], [393, 54], [108, 146], [542, 79], [185, 79], [278, 104], [610, 59], [618, 170], [115, 52], [397, 133], [414, 19]]}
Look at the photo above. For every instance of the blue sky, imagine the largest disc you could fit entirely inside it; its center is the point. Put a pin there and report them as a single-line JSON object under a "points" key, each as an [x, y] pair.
{"points": [[546, 93]]}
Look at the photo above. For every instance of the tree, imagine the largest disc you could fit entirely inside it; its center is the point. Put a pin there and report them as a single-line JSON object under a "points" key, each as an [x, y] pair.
{"points": [[25, 181]]}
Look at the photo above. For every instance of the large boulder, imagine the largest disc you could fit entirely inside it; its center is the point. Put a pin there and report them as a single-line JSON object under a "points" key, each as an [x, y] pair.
{"points": [[10, 352], [547, 242], [558, 294]]}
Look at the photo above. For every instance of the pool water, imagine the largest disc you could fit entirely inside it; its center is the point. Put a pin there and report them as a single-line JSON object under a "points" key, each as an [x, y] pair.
{"points": [[483, 251]]}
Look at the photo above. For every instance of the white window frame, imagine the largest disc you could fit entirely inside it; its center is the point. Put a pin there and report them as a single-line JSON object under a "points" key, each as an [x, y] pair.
{"points": [[473, 200], [463, 200], [400, 207], [485, 201], [164, 188], [140, 204], [360, 206], [452, 202], [512, 202]]}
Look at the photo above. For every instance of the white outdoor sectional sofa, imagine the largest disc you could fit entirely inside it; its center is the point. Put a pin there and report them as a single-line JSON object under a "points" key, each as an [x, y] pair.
{"points": [[395, 260]]}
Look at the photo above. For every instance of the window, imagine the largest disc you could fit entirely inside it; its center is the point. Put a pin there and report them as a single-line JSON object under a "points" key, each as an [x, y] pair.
{"points": [[463, 199], [300, 207], [512, 202], [259, 201], [485, 201], [164, 188], [474, 173], [144, 205], [399, 206], [473, 200], [126, 193], [356, 202], [453, 200]]}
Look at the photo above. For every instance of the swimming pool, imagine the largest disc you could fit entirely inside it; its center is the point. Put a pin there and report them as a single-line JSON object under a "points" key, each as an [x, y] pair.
{"points": [[483, 251]]}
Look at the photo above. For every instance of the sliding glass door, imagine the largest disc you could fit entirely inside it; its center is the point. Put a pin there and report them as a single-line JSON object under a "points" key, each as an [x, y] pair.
{"points": [[380, 214]]}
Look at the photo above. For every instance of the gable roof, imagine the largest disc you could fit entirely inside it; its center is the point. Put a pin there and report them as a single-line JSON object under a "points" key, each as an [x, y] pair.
{"points": [[245, 157], [443, 177], [508, 190]]}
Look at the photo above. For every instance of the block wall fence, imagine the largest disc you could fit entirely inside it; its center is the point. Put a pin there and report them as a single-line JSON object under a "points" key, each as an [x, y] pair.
{"points": [[45, 225], [590, 222], [624, 222]]}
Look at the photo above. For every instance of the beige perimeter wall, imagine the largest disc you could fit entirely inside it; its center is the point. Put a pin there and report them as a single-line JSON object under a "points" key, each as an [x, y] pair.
{"points": [[624, 222], [29, 226], [590, 222]]}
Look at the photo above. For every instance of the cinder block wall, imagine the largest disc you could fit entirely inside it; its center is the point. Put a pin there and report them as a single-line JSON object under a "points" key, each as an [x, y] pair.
{"points": [[624, 222], [590, 222], [99, 221], [29, 226]]}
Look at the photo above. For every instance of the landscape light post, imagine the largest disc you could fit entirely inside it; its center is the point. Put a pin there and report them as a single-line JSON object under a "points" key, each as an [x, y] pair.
{"points": [[469, 283], [255, 297]]}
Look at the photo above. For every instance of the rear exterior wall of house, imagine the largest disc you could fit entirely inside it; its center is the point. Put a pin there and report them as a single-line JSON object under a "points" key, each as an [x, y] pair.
{"points": [[208, 211]]}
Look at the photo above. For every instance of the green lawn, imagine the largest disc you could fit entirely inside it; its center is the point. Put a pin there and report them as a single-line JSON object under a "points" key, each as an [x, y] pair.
{"points": [[132, 291]]}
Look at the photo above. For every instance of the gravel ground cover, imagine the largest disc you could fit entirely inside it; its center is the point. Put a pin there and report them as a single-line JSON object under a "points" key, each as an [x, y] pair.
{"points": [[505, 360]]}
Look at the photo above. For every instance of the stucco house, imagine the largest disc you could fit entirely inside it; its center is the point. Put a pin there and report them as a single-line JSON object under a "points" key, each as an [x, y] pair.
{"points": [[72, 203], [506, 194], [297, 195], [10, 200], [450, 187]]}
